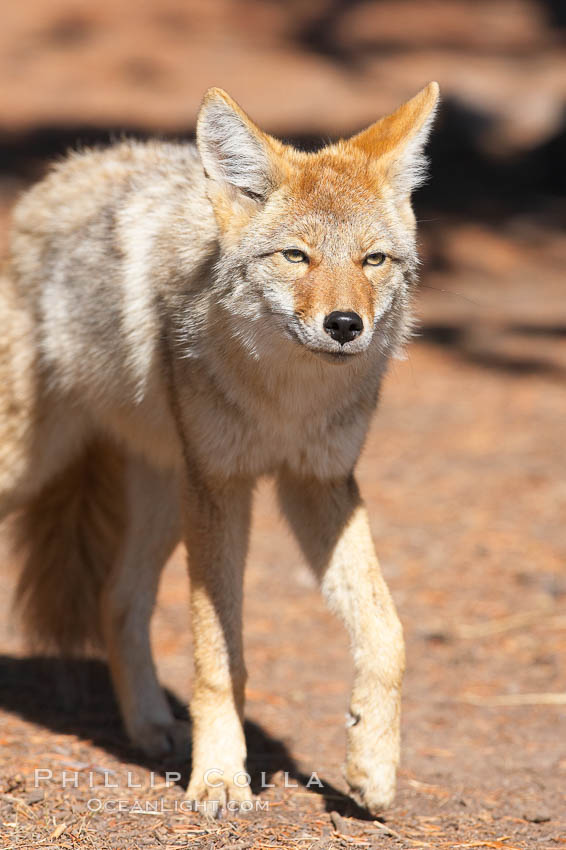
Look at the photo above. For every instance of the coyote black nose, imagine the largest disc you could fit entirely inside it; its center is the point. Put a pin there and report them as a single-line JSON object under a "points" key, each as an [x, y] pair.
{"points": [[343, 327]]}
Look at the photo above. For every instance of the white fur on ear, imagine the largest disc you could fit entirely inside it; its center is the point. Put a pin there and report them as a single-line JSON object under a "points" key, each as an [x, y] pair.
{"points": [[233, 150], [399, 139], [410, 167]]}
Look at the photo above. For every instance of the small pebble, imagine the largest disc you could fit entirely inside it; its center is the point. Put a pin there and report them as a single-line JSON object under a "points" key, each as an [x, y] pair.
{"points": [[539, 816]]}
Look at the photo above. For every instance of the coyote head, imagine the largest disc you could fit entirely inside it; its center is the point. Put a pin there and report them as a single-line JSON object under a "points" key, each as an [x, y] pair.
{"points": [[321, 245]]}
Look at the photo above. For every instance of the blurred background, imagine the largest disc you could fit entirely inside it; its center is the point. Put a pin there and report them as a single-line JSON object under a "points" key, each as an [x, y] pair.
{"points": [[464, 467], [73, 71]]}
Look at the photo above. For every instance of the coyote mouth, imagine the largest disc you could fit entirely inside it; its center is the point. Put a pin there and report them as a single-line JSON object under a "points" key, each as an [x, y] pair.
{"points": [[336, 356], [341, 355], [311, 342]]}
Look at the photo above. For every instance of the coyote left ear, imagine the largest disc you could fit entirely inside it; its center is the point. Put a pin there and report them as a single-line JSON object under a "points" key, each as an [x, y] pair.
{"points": [[233, 150], [397, 141]]}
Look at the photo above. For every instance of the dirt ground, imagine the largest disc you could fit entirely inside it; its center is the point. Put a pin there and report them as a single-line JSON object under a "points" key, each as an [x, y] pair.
{"points": [[464, 467], [463, 473]]}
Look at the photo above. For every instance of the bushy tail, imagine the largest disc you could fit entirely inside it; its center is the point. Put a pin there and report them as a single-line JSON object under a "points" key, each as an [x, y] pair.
{"points": [[70, 533]]}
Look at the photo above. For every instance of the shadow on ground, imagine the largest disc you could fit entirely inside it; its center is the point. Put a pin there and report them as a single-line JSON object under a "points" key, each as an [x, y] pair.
{"points": [[75, 697], [474, 344]]}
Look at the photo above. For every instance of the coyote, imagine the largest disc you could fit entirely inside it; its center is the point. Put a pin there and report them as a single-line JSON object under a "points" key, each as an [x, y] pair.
{"points": [[178, 320]]}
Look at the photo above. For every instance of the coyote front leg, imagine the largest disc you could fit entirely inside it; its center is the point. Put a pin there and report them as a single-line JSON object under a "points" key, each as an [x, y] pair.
{"points": [[217, 528], [332, 526]]}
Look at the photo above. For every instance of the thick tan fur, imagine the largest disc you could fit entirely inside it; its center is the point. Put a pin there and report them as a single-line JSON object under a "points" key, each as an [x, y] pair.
{"points": [[69, 533], [166, 342]]}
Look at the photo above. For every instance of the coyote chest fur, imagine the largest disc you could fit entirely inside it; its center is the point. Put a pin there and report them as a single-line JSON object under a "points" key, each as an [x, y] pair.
{"points": [[181, 320]]}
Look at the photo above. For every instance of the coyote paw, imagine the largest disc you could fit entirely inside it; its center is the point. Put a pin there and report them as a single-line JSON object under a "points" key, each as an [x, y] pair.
{"points": [[372, 787], [371, 764], [215, 791], [162, 740]]}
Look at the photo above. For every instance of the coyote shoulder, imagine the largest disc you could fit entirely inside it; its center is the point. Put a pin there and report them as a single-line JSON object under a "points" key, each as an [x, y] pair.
{"points": [[177, 321]]}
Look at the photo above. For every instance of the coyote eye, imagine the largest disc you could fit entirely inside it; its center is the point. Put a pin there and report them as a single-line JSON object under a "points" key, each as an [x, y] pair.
{"points": [[293, 255], [376, 259]]}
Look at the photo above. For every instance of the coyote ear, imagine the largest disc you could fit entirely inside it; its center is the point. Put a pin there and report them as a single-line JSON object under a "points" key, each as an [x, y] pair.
{"points": [[233, 150], [398, 140]]}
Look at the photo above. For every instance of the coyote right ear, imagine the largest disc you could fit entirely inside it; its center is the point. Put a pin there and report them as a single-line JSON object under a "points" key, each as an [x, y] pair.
{"points": [[398, 140], [233, 150]]}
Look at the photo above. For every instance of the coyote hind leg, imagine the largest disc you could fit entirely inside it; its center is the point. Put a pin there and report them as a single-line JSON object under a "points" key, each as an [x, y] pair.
{"points": [[151, 532]]}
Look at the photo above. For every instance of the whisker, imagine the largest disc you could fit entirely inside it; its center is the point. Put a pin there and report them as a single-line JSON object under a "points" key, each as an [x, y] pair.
{"points": [[456, 294]]}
